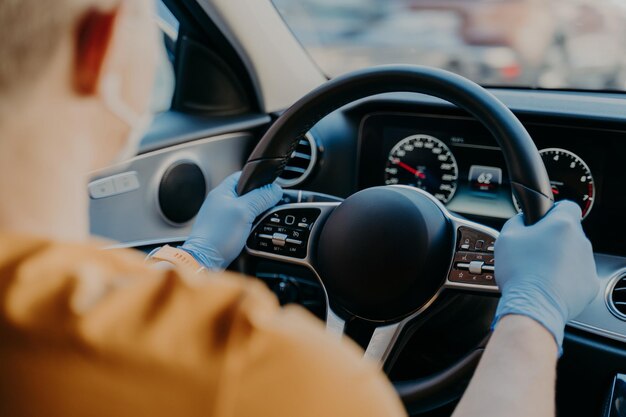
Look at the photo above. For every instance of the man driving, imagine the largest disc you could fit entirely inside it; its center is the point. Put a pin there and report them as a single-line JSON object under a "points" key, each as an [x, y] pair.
{"points": [[87, 332]]}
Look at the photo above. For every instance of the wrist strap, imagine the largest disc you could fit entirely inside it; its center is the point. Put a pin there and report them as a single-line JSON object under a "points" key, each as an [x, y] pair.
{"points": [[176, 257]]}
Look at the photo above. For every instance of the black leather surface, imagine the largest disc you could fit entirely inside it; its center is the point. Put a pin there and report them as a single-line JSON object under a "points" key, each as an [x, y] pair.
{"points": [[436, 391], [384, 252], [524, 163]]}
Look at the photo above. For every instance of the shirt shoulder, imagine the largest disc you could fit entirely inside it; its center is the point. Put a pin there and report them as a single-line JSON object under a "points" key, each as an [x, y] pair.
{"points": [[211, 341]]}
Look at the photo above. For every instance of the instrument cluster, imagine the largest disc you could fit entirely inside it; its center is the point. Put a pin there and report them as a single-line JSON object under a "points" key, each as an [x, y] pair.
{"points": [[426, 162], [457, 161]]}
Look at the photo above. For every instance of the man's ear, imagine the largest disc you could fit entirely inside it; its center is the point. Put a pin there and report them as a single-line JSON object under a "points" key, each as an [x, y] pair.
{"points": [[93, 41]]}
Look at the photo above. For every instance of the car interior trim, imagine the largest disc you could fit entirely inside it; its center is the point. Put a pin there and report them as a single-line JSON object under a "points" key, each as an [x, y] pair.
{"points": [[609, 290], [311, 166], [597, 318], [116, 217], [250, 25]]}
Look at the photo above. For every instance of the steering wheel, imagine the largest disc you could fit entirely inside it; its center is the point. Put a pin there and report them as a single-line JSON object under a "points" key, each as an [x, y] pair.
{"points": [[385, 254]]}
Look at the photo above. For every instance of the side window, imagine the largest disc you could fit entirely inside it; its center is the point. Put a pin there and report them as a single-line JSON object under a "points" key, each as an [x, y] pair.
{"points": [[165, 80]]}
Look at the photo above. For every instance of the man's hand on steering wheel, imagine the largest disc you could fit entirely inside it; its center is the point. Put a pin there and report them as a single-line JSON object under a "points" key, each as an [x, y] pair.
{"points": [[546, 271], [225, 220]]}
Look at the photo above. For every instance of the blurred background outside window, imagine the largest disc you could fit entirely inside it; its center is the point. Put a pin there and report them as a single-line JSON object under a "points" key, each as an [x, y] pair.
{"points": [[571, 44]]}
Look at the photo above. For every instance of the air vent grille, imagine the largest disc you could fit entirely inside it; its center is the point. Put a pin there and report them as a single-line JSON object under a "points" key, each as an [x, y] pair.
{"points": [[616, 298], [301, 163]]}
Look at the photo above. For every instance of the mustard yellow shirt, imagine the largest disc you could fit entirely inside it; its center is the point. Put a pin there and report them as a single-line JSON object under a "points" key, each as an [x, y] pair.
{"points": [[86, 332]]}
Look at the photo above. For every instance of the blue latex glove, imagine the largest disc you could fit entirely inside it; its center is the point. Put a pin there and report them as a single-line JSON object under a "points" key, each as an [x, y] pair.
{"points": [[225, 221], [546, 271]]}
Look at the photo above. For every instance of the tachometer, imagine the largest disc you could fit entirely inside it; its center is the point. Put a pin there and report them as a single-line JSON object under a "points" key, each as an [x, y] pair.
{"points": [[570, 178], [425, 162]]}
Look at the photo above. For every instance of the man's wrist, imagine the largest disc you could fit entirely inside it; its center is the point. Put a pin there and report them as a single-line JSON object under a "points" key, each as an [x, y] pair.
{"points": [[174, 256], [208, 262], [525, 329], [536, 305]]}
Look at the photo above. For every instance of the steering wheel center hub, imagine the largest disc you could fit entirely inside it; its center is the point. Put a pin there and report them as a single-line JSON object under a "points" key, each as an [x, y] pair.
{"points": [[384, 251]]}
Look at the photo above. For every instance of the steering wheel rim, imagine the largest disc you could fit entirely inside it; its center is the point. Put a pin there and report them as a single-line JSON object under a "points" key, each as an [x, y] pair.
{"points": [[527, 172]]}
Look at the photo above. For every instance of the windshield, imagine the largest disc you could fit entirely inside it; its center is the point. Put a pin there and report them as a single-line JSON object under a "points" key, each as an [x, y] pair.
{"points": [[575, 44]]}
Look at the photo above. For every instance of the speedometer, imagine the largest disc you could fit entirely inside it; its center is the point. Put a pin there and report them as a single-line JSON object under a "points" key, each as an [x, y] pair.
{"points": [[570, 178], [424, 162]]}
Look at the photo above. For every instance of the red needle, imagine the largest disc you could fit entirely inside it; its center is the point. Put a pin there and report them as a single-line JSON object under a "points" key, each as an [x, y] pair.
{"points": [[555, 191], [409, 168]]}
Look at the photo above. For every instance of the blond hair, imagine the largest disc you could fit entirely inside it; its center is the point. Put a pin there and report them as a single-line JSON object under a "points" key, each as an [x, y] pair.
{"points": [[30, 34]]}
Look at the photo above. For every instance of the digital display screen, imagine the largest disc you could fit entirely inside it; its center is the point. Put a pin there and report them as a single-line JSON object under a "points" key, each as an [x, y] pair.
{"points": [[485, 178]]}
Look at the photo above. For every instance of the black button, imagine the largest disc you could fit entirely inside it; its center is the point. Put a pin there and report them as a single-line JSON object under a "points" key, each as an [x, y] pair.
{"points": [[466, 243], [464, 257], [480, 256], [461, 276], [297, 234], [485, 279], [279, 250], [467, 257], [488, 278], [286, 291], [473, 240], [267, 229], [284, 222], [466, 278]]}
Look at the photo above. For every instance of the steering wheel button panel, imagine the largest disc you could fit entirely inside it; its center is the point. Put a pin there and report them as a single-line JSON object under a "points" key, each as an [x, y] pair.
{"points": [[476, 265], [289, 240]]}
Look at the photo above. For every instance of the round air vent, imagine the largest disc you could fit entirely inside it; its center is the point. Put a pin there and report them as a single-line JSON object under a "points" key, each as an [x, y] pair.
{"points": [[616, 296], [181, 192], [301, 163]]}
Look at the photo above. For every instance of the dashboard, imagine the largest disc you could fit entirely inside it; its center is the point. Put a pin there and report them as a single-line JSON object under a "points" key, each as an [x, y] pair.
{"points": [[459, 162]]}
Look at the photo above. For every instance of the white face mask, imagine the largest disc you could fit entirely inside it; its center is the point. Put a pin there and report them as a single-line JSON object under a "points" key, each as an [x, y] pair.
{"points": [[139, 123]]}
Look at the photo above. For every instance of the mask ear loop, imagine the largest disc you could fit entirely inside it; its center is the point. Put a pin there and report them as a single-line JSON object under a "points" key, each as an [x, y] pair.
{"points": [[139, 124], [112, 95]]}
